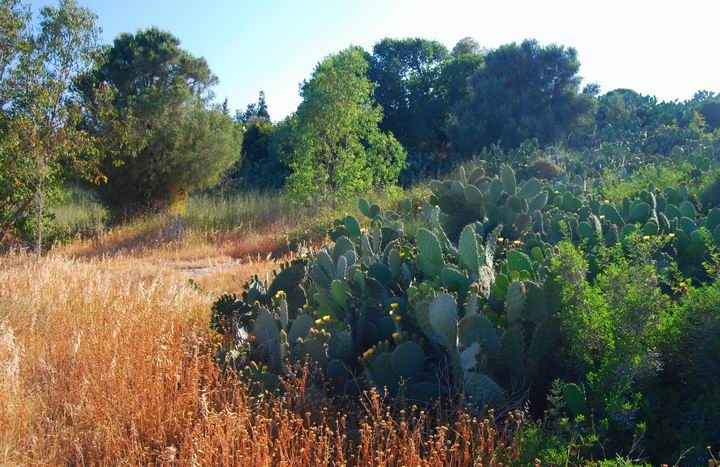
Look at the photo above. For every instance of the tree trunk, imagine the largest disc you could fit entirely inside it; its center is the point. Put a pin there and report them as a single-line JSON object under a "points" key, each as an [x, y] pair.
{"points": [[7, 226]]}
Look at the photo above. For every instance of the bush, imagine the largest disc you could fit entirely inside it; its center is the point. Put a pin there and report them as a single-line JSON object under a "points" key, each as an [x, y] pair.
{"points": [[544, 169], [710, 194], [187, 152]]}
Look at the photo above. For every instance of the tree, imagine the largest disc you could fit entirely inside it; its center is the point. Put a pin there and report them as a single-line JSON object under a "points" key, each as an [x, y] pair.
{"points": [[162, 135], [40, 141], [523, 91], [405, 72], [708, 104], [467, 46], [418, 81], [338, 147], [263, 162], [254, 111]]}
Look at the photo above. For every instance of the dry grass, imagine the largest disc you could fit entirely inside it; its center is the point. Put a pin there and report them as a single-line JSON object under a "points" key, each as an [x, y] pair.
{"points": [[106, 358]]}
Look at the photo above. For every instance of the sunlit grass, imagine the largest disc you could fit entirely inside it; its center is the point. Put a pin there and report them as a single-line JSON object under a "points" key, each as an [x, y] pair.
{"points": [[249, 210], [79, 212], [110, 361]]}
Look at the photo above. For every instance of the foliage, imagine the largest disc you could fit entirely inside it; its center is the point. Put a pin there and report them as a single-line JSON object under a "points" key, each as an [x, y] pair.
{"points": [[40, 141], [161, 137], [490, 290], [259, 167], [405, 72], [417, 82], [523, 91], [254, 111], [337, 146]]}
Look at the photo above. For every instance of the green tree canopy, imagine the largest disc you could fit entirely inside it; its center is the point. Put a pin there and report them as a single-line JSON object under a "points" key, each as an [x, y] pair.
{"points": [[40, 140], [418, 81], [523, 91], [406, 73], [261, 165], [337, 146], [467, 46], [161, 134], [254, 111]]}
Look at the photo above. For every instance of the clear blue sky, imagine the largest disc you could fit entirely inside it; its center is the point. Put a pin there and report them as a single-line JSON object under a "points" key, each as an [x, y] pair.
{"points": [[664, 48]]}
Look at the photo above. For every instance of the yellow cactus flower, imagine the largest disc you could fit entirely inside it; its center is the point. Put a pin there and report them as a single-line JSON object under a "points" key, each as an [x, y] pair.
{"points": [[646, 237], [396, 336], [326, 318], [392, 312], [500, 239], [517, 242], [318, 321], [602, 217], [398, 318], [672, 235]]}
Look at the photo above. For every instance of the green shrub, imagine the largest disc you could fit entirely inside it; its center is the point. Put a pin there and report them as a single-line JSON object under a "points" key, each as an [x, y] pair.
{"points": [[710, 190], [544, 169]]}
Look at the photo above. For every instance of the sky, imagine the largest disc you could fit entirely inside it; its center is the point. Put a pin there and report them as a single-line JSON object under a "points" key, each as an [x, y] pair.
{"points": [[668, 49]]}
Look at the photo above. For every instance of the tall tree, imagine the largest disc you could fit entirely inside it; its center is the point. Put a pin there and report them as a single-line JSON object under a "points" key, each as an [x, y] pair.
{"points": [[467, 46], [406, 73], [254, 111], [259, 167], [163, 137], [418, 81], [523, 91], [40, 141], [338, 147]]}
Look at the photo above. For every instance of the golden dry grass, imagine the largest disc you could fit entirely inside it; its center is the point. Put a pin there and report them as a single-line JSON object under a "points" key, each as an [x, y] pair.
{"points": [[106, 359]]}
